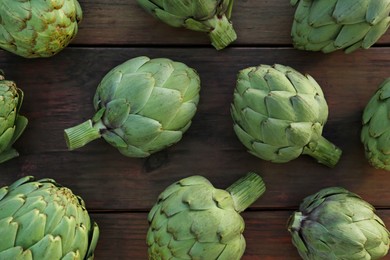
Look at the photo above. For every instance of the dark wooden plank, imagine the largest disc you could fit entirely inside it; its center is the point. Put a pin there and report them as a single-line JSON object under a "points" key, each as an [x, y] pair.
{"points": [[123, 236], [124, 22], [58, 94]]}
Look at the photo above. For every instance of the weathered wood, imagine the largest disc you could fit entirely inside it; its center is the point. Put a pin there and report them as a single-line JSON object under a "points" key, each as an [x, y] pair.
{"points": [[123, 235], [124, 22], [58, 94]]}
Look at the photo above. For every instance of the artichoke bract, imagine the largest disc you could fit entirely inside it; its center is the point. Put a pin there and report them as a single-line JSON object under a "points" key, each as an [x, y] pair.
{"points": [[194, 220], [337, 224], [40, 219], [143, 106], [209, 16], [279, 114], [375, 134], [34, 29], [12, 124], [330, 25]]}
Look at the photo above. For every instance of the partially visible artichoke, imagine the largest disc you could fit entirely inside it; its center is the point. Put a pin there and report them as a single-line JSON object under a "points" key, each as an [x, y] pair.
{"points": [[375, 133], [143, 106], [43, 220], [210, 16], [337, 224], [194, 220], [330, 25], [32, 29], [279, 114], [12, 124]]}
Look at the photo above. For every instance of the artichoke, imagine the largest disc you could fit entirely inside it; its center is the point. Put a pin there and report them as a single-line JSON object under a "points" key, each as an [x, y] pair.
{"points": [[337, 224], [39, 28], [43, 220], [143, 106], [375, 134], [330, 25], [12, 124], [279, 114], [194, 220], [209, 16]]}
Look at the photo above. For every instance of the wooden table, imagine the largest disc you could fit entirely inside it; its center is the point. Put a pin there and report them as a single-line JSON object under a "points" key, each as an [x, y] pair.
{"points": [[119, 191]]}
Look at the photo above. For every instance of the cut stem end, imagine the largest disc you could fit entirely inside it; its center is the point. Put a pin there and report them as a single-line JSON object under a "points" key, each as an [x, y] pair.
{"points": [[246, 191], [81, 134], [324, 151], [223, 33]]}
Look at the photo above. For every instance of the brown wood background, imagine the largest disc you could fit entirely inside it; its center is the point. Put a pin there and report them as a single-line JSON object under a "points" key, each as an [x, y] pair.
{"points": [[119, 191]]}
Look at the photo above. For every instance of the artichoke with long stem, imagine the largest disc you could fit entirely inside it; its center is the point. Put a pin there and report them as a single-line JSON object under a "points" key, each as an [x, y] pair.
{"points": [[194, 220], [142, 106], [279, 114], [209, 16]]}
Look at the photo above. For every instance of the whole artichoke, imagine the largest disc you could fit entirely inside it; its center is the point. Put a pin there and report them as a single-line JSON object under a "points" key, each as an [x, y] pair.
{"points": [[330, 25], [375, 133], [12, 124], [210, 16], [194, 220], [37, 28], [43, 220], [337, 224], [143, 106], [279, 114]]}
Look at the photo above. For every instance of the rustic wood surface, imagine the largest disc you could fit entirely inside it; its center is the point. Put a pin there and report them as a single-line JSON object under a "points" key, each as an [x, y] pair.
{"points": [[119, 191]]}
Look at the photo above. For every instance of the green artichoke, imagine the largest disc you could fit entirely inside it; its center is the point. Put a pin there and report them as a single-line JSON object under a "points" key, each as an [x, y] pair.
{"points": [[279, 114], [330, 25], [194, 220], [12, 124], [337, 224], [43, 220], [209, 16], [375, 134], [143, 106], [38, 28]]}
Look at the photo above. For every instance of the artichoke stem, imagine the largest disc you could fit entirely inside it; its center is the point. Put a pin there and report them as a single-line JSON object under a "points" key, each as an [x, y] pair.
{"points": [[295, 221], [324, 151], [81, 134], [8, 155], [246, 190], [223, 33]]}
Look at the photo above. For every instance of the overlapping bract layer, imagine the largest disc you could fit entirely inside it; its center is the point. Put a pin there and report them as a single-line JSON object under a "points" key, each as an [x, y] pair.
{"points": [[12, 124], [194, 220], [375, 133], [279, 114], [330, 25], [40, 28], [337, 224], [210, 16], [43, 220], [143, 106]]}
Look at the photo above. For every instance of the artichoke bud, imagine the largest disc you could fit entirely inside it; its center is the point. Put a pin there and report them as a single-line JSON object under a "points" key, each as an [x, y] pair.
{"points": [[194, 220], [375, 133], [279, 114], [12, 124], [337, 224], [40, 219], [143, 106], [34, 29], [331, 25], [210, 16]]}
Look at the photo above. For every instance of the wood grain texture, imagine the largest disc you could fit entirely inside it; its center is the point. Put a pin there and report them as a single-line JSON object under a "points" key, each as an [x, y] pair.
{"points": [[59, 91], [124, 22], [265, 234]]}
